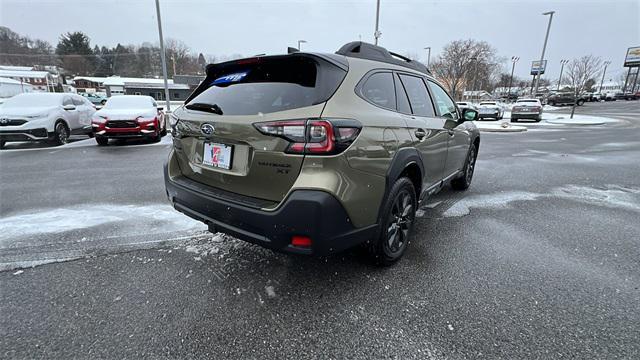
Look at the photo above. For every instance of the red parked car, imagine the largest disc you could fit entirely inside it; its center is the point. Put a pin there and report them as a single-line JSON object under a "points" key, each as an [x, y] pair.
{"points": [[129, 117]]}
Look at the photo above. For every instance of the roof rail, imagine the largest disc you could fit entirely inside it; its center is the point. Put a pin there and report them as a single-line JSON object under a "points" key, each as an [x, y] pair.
{"points": [[363, 50]]}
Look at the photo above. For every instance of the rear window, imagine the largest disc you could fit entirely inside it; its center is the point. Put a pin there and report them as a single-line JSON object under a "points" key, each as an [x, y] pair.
{"points": [[266, 85]]}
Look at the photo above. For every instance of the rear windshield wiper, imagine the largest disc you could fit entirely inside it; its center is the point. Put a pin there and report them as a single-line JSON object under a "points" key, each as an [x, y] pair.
{"points": [[212, 108]]}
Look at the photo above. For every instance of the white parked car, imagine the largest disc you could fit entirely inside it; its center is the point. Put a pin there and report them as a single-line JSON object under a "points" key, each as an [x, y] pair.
{"points": [[45, 116], [490, 109], [129, 116]]}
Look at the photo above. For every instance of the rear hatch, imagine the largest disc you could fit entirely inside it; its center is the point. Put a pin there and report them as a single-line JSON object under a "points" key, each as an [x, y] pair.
{"points": [[220, 137]]}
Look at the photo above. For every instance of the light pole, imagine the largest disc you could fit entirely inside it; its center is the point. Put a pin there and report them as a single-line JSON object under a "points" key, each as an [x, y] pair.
{"points": [[163, 58], [514, 60], [562, 63], [606, 63], [300, 42], [544, 47], [428, 48], [377, 33]]}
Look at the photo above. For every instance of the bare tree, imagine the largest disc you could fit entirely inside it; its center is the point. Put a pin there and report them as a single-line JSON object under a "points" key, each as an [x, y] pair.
{"points": [[579, 72], [465, 64]]}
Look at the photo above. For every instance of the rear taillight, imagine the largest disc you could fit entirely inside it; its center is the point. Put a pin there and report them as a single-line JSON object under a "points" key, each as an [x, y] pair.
{"points": [[314, 136]]}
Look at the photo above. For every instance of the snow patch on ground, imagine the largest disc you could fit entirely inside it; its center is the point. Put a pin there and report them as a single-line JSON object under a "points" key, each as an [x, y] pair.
{"points": [[612, 196], [210, 247], [48, 221], [488, 201]]}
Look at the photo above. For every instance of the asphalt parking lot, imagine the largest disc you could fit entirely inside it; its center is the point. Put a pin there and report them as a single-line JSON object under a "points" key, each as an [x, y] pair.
{"points": [[538, 259]]}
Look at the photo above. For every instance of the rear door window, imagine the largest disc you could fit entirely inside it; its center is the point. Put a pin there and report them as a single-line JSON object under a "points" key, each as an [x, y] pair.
{"points": [[379, 89], [418, 95], [401, 95], [269, 84]]}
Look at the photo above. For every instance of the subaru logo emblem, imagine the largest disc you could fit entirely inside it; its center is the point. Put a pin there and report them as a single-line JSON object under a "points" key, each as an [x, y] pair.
{"points": [[207, 129]]}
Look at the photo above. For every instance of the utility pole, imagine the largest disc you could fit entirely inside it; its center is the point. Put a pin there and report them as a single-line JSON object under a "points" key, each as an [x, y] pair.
{"points": [[163, 58], [514, 60], [544, 47], [606, 63], [562, 63], [300, 42], [428, 48], [377, 33]]}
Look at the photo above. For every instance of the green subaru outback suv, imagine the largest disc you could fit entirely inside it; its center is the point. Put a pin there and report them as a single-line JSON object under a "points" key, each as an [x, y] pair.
{"points": [[313, 153]]}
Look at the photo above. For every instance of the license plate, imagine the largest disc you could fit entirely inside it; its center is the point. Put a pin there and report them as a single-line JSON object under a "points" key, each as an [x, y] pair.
{"points": [[217, 155], [486, 111]]}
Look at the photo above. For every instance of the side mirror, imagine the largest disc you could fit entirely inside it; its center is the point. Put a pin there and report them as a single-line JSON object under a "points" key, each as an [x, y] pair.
{"points": [[69, 107], [469, 114]]}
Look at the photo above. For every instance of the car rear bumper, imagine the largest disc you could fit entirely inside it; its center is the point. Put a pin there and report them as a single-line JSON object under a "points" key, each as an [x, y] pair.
{"points": [[310, 213], [526, 116]]}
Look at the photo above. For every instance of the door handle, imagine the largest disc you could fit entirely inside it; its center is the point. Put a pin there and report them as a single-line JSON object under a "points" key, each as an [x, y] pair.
{"points": [[420, 134], [451, 133]]}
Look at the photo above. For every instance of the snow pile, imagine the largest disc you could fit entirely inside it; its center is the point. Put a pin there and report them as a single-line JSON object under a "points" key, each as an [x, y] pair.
{"points": [[159, 218], [579, 120], [206, 247], [503, 126], [611, 196]]}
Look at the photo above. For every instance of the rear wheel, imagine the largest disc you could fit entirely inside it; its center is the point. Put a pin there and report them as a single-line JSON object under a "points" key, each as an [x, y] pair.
{"points": [[102, 141], [60, 134], [580, 102], [464, 181], [2, 143], [396, 223]]}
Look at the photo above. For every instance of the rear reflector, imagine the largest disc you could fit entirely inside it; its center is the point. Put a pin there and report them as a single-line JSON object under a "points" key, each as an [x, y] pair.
{"points": [[301, 241]]}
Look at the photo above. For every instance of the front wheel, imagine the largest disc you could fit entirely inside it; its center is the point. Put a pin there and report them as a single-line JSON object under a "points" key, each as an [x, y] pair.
{"points": [[102, 141], [60, 134], [396, 223], [464, 181], [580, 102]]}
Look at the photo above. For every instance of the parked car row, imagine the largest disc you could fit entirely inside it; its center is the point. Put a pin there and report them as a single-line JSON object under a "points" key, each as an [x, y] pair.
{"points": [[54, 117]]}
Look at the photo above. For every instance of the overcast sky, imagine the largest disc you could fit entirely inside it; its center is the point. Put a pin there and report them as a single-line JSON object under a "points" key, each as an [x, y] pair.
{"points": [[604, 28]]}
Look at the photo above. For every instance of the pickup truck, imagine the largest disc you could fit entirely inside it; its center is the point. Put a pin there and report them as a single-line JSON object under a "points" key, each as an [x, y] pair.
{"points": [[565, 98]]}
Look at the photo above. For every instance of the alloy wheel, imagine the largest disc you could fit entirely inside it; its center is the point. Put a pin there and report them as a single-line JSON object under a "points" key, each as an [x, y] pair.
{"points": [[399, 223]]}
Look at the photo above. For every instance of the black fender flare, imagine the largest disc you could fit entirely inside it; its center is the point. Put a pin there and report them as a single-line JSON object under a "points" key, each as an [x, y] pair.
{"points": [[400, 161]]}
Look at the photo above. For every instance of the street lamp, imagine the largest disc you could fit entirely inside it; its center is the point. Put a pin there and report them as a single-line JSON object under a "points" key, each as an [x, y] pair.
{"points": [[514, 60], [606, 63], [301, 42], [562, 63], [162, 57], [377, 33], [544, 47], [428, 48]]}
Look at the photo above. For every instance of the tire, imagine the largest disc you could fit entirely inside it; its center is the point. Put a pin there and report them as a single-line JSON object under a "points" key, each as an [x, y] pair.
{"points": [[2, 144], [90, 134], [464, 181], [157, 138], [164, 129], [514, 120], [103, 102], [552, 103], [60, 133], [102, 141], [396, 224], [580, 102]]}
